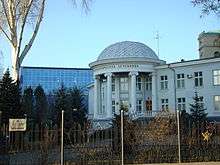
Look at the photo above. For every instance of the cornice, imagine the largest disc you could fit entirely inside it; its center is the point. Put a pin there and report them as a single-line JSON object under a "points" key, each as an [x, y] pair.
{"points": [[189, 63], [127, 60]]}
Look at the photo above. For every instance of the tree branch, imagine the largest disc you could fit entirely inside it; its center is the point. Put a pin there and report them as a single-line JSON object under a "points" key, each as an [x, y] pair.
{"points": [[6, 14], [12, 19], [11, 15], [28, 46], [6, 35], [23, 26]]}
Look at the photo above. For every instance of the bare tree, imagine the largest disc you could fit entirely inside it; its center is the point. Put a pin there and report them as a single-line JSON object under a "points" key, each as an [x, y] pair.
{"points": [[208, 6], [14, 17]]}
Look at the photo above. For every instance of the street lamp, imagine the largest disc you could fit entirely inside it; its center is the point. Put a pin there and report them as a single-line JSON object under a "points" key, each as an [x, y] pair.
{"points": [[122, 134], [123, 109], [177, 112], [62, 121]]}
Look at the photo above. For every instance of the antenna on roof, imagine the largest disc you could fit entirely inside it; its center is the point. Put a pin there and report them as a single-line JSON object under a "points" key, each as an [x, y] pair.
{"points": [[158, 42]]}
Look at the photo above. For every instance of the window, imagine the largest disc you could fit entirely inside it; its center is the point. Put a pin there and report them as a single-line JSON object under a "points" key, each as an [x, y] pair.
{"points": [[139, 106], [181, 104], [180, 80], [113, 106], [163, 82], [198, 79], [200, 101], [149, 104], [216, 54], [164, 104], [124, 84], [217, 42], [138, 84], [113, 84], [149, 83], [216, 77], [217, 103]]}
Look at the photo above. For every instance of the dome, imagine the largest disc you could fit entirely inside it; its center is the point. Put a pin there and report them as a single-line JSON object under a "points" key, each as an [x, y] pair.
{"points": [[127, 49]]}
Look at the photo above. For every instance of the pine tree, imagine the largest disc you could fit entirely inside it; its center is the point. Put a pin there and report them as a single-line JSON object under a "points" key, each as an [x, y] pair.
{"points": [[28, 102], [51, 116], [198, 116], [61, 103], [40, 106], [77, 106], [197, 110], [10, 97], [73, 104]]}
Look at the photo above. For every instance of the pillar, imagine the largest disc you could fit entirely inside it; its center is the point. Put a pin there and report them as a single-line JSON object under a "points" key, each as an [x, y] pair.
{"points": [[109, 95], [96, 96], [133, 91], [154, 92]]}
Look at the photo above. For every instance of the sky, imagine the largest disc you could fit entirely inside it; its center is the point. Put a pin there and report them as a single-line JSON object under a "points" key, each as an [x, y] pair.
{"points": [[70, 38]]}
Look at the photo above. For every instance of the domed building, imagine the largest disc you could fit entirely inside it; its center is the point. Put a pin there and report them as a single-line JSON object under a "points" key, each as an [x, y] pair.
{"points": [[130, 74], [122, 73]]}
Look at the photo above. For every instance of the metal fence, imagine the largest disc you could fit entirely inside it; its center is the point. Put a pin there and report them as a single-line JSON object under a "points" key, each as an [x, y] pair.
{"points": [[152, 140]]}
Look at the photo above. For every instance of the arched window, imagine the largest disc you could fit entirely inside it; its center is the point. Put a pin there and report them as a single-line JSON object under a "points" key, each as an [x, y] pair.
{"points": [[217, 54], [217, 42]]}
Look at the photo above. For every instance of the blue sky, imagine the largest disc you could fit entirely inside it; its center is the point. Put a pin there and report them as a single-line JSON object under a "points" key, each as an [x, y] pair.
{"points": [[70, 38]]}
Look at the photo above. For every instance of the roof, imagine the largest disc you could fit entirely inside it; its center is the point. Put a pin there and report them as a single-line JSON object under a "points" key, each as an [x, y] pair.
{"points": [[214, 32], [127, 49], [190, 62], [62, 68]]}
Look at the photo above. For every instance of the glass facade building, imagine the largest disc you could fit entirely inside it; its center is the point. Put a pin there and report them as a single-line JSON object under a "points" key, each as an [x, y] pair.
{"points": [[51, 78]]}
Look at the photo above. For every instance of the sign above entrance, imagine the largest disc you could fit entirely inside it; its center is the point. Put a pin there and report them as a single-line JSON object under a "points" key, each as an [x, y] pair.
{"points": [[121, 66]]}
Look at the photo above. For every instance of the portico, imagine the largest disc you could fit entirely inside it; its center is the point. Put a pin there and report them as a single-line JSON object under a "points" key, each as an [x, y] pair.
{"points": [[113, 89]]}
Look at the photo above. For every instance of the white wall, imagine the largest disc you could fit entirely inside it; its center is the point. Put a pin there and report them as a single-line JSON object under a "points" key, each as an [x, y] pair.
{"points": [[208, 90]]}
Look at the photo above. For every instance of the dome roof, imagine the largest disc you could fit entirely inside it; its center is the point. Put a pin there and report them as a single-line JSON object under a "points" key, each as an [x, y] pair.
{"points": [[127, 49]]}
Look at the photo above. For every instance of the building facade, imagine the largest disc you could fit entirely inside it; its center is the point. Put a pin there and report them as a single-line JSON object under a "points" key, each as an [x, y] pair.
{"points": [[51, 78], [131, 74]]}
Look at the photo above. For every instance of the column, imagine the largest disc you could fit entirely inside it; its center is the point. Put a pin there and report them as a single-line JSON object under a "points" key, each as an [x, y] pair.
{"points": [[133, 91], [117, 95], [154, 92], [109, 95], [96, 96], [143, 79]]}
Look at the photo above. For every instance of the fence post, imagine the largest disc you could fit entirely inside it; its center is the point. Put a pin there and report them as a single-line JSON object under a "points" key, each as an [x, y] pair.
{"points": [[178, 132], [61, 156], [122, 137]]}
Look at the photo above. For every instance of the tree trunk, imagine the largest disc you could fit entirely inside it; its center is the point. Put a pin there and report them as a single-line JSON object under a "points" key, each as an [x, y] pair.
{"points": [[15, 65]]}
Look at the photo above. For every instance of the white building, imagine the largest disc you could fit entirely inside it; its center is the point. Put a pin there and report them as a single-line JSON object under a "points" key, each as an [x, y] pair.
{"points": [[130, 73]]}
